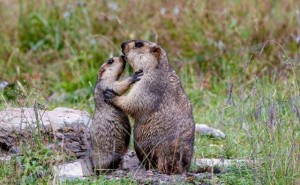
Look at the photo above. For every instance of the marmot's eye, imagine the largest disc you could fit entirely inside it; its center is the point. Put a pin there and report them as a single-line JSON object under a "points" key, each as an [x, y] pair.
{"points": [[139, 44], [110, 61]]}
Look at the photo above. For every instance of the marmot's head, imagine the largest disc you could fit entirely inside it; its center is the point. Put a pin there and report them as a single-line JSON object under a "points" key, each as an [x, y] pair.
{"points": [[144, 55], [112, 69]]}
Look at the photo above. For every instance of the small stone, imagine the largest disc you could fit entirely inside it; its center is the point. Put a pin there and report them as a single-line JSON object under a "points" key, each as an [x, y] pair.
{"points": [[162, 11], [3, 84], [78, 169], [67, 14], [113, 6], [203, 129], [150, 173], [298, 39], [176, 10]]}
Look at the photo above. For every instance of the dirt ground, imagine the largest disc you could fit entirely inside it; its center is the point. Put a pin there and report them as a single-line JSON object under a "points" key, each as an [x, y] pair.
{"points": [[133, 170]]}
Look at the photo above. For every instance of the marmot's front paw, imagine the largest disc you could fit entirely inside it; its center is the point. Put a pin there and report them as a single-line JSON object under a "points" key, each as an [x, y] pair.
{"points": [[109, 94], [136, 76]]}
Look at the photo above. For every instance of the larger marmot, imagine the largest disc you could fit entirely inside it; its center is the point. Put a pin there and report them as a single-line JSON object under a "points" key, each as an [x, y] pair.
{"points": [[164, 126], [110, 129]]}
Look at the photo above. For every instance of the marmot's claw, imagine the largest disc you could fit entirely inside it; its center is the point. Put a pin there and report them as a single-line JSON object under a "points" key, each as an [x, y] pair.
{"points": [[138, 73], [137, 76], [109, 94]]}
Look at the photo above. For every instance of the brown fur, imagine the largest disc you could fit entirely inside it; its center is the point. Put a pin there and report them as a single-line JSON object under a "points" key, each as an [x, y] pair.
{"points": [[110, 129], [164, 125]]}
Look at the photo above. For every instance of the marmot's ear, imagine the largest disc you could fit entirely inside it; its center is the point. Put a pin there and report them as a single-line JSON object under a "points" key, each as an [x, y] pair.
{"points": [[100, 73], [156, 51]]}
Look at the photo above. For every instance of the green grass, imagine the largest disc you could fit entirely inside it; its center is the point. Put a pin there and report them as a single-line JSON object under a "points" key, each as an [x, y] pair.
{"points": [[238, 62], [100, 180]]}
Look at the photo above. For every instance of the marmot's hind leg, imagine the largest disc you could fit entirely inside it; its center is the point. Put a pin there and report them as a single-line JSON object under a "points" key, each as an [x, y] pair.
{"points": [[116, 162], [102, 163], [170, 165]]}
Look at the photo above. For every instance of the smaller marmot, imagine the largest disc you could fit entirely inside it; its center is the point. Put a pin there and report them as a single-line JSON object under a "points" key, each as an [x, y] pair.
{"points": [[110, 129], [164, 127]]}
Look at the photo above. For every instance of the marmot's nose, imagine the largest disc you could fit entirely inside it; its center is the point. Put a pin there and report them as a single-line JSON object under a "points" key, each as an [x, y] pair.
{"points": [[123, 46], [123, 58]]}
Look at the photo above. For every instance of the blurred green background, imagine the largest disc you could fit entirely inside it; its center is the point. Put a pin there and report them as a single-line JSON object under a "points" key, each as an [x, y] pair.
{"points": [[238, 60], [61, 44]]}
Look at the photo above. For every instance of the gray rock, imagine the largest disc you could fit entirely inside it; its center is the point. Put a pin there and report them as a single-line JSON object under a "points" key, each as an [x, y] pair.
{"points": [[65, 126], [221, 162], [21, 118], [77, 169], [206, 130]]}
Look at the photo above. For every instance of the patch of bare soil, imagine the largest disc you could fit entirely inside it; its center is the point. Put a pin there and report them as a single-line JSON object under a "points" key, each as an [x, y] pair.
{"points": [[133, 170]]}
